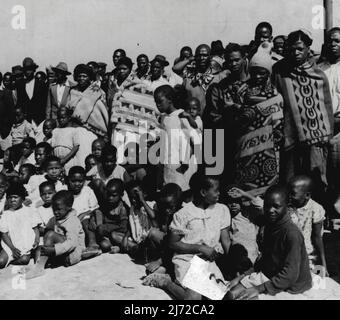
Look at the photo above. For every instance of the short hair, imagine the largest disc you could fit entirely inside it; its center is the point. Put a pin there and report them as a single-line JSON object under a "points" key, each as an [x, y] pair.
{"points": [[280, 37], [118, 183], [203, 46], [77, 170], [69, 111], [90, 156], [277, 189], [18, 189], [46, 184], [142, 56], [49, 160], [188, 100], [331, 31], [299, 35], [31, 141], [167, 91], [200, 182], [171, 190], [48, 148], [109, 150], [31, 168], [122, 51], [101, 140], [233, 47], [308, 181], [185, 48], [264, 24], [94, 63], [8, 74], [53, 121], [64, 195]]}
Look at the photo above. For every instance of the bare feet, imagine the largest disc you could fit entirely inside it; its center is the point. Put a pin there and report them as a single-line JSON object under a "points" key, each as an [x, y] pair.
{"points": [[35, 271], [114, 250], [157, 280], [90, 252]]}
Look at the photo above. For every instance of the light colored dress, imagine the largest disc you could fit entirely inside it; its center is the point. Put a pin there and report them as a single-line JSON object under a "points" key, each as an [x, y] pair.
{"points": [[202, 227]]}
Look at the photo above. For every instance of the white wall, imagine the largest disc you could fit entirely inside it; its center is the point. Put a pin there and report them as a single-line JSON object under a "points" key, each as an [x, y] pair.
{"points": [[82, 30]]}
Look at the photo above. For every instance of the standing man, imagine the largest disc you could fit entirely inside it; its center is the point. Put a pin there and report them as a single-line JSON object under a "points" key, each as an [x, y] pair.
{"points": [[59, 92], [32, 94], [308, 112], [117, 54]]}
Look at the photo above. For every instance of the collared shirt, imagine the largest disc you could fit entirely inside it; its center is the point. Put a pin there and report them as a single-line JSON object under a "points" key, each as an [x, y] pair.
{"points": [[30, 88], [60, 90], [70, 227]]}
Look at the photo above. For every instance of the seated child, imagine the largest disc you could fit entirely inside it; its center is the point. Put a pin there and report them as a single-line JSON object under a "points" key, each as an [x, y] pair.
{"points": [[168, 202], [106, 170], [48, 127], [45, 212], [26, 171], [21, 128], [8, 163], [42, 151], [97, 148], [244, 227], [53, 173], [90, 162], [64, 240], [200, 228], [309, 216], [26, 152], [142, 216], [112, 223], [85, 204], [19, 229], [283, 265]]}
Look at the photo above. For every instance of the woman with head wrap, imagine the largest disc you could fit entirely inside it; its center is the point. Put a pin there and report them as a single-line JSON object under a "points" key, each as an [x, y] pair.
{"points": [[88, 102], [259, 126]]}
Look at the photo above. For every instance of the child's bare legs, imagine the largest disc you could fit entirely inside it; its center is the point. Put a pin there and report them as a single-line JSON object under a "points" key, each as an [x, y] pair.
{"points": [[50, 239], [155, 239], [163, 281], [90, 235], [117, 239], [23, 260]]}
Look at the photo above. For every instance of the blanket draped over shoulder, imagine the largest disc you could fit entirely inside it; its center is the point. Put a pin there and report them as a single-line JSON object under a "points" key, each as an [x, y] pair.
{"points": [[90, 108], [260, 126], [308, 105]]}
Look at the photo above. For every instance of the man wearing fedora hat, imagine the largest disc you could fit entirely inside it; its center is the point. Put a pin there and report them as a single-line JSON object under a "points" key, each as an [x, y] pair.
{"points": [[32, 95], [59, 92], [157, 75]]}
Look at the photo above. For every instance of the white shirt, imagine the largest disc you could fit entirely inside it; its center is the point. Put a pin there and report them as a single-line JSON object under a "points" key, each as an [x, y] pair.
{"points": [[60, 91], [333, 75], [85, 201], [30, 88], [45, 214]]}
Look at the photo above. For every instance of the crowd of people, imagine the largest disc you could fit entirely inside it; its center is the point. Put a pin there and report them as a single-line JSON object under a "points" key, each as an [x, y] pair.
{"points": [[65, 197]]}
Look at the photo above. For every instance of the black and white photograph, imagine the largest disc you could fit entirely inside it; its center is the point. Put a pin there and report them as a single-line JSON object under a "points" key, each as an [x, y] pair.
{"points": [[170, 150]]}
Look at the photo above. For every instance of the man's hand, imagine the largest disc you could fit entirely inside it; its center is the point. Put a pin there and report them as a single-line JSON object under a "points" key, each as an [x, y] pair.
{"points": [[236, 193], [16, 253], [249, 294], [184, 114], [208, 253]]}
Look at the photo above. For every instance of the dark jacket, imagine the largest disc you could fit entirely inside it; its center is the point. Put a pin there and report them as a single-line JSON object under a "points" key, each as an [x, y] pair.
{"points": [[34, 108], [284, 258], [6, 112]]}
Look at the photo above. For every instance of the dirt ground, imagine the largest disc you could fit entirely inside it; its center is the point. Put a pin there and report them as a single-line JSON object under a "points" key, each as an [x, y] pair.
{"points": [[107, 277], [110, 277]]}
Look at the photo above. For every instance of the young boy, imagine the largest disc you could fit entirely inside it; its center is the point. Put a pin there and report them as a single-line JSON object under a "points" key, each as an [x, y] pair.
{"points": [[53, 173], [200, 228], [19, 229], [26, 152], [112, 223], [85, 204], [26, 171], [97, 148], [309, 216], [45, 212], [21, 128], [169, 201], [193, 108], [48, 127], [106, 170], [283, 265], [42, 151], [90, 162], [64, 240]]}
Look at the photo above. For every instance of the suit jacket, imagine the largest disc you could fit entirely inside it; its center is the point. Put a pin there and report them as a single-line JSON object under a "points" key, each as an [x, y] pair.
{"points": [[6, 112], [52, 105], [34, 108]]}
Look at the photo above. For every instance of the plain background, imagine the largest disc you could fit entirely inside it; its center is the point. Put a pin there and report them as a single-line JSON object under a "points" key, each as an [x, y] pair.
{"points": [[78, 31]]}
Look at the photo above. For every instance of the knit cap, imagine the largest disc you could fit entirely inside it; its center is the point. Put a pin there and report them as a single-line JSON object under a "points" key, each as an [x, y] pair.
{"points": [[262, 57]]}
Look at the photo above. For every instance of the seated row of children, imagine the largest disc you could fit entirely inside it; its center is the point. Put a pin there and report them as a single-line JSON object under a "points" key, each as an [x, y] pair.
{"points": [[60, 219]]}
